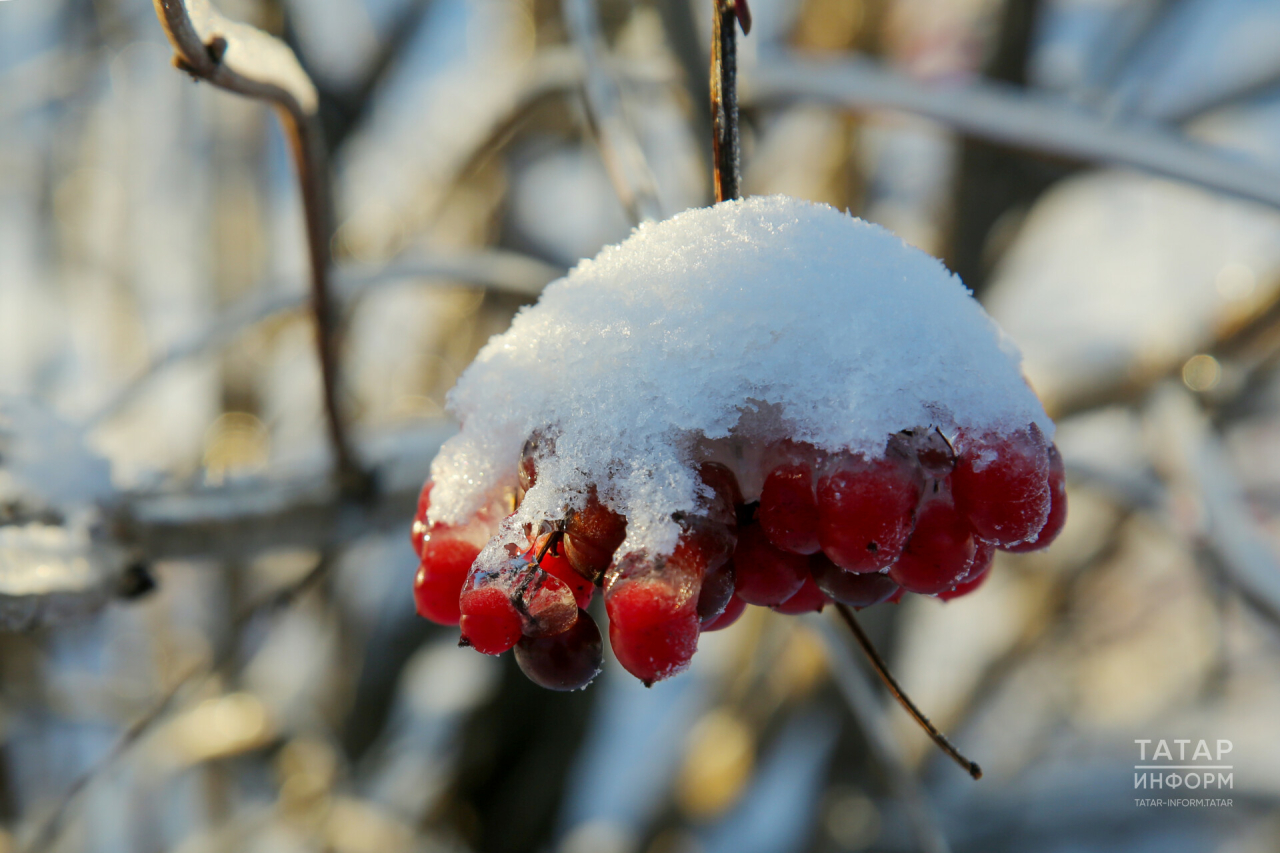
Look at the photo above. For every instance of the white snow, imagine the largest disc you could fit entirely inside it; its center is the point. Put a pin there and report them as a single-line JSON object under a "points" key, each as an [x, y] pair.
{"points": [[731, 326]]}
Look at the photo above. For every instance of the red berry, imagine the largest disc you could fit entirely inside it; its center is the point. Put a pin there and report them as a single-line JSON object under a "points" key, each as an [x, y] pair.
{"points": [[559, 567], [419, 531], [1001, 484], [1057, 507], [763, 574], [715, 594], [732, 611], [809, 599], [940, 550], [592, 534], [789, 510], [653, 610], [966, 586], [490, 622], [441, 574], [856, 589], [564, 661], [865, 512]]}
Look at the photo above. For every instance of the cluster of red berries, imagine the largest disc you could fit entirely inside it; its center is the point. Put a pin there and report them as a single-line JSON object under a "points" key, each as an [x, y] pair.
{"points": [[926, 517]]}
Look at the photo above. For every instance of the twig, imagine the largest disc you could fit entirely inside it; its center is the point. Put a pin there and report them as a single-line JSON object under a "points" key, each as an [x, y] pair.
{"points": [[726, 151], [624, 159], [1014, 117], [496, 270], [857, 692], [882, 670], [196, 675], [242, 59]]}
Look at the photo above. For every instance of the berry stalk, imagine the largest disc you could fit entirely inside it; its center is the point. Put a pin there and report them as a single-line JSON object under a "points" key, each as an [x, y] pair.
{"points": [[877, 663]]}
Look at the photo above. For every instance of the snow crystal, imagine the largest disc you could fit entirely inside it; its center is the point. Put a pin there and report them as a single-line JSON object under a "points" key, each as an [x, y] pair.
{"points": [[714, 333]]}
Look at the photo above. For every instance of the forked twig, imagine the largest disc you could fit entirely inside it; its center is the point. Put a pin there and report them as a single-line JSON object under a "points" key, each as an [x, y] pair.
{"points": [[882, 670], [725, 143], [247, 61]]}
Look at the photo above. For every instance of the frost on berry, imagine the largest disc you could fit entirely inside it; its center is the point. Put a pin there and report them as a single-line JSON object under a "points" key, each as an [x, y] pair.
{"points": [[1057, 516], [765, 379]]}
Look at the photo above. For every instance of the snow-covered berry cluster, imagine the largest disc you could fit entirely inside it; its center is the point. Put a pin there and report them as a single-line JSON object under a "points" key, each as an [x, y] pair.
{"points": [[765, 402]]}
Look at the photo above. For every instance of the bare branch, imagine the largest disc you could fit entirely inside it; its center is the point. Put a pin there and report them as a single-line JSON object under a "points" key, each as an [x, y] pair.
{"points": [[725, 147], [245, 60], [1016, 118], [624, 159], [858, 693], [496, 270]]}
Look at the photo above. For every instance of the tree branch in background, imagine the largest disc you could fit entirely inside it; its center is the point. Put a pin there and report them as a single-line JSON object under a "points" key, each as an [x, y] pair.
{"points": [[725, 142], [620, 150], [247, 61]]}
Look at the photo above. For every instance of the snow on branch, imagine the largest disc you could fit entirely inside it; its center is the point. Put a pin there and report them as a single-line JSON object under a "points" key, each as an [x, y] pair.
{"points": [[1012, 117]]}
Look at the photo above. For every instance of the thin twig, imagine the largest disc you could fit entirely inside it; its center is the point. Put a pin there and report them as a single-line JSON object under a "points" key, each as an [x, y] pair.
{"points": [[859, 694], [241, 59], [195, 676], [1014, 117], [624, 159], [878, 664], [725, 143], [495, 270]]}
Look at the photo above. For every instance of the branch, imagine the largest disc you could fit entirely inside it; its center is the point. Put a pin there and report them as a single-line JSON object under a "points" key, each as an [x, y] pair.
{"points": [[624, 159], [245, 60], [496, 270], [302, 508], [725, 143], [1014, 117], [857, 692]]}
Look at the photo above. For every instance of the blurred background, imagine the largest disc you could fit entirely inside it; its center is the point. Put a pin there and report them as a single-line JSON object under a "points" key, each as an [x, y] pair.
{"points": [[205, 649]]}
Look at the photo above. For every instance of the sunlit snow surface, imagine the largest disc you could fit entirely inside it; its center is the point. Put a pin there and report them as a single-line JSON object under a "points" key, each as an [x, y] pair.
{"points": [[724, 328]]}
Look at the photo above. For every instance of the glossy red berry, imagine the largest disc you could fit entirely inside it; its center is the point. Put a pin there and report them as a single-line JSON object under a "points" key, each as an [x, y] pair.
{"points": [[653, 613], [940, 550], [592, 534], [732, 611], [564, 661], [865, 512], [788, 510], [441, 574], [490, 622], [809, 599], [1057, 507], [559, 567], [418, 532], [1001, 484], [856, 589], [763, 574]]}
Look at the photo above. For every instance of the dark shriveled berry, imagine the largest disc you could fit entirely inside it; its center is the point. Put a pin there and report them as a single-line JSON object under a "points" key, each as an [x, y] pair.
{"points": [[732, 611], [564, 661], [856, 589], [716, 592]]}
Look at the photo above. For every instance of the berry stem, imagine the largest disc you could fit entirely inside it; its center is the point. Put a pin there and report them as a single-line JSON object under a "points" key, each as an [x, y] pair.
{"points": [[726, 153], [882, 669]]}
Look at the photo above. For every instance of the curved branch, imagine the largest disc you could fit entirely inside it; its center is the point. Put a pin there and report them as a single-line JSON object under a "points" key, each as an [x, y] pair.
{"points": [[1016, 118], [245, 60]]}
